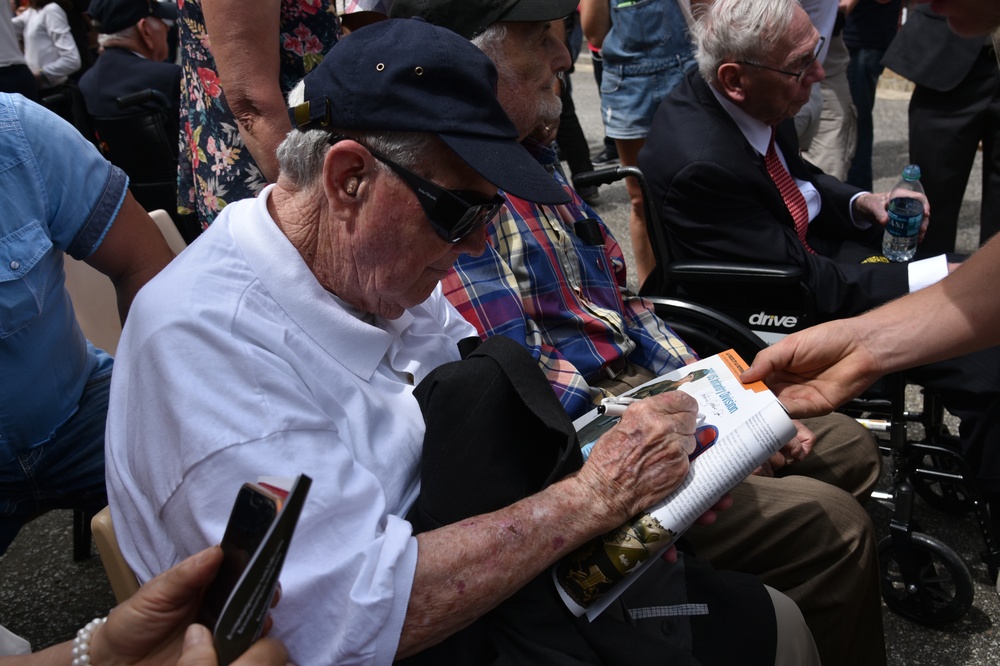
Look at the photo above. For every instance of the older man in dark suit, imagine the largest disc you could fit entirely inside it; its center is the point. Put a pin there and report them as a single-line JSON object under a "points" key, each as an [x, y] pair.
{"points": [[133, 34], [724, 167], [706, 161]]}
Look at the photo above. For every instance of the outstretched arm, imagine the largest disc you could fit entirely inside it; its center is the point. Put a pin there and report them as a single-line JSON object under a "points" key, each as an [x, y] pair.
{"points": [[818, 369]]}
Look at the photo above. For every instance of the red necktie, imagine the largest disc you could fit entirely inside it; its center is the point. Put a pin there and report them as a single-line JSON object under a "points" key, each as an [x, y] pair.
{"points": [[794, 201]]}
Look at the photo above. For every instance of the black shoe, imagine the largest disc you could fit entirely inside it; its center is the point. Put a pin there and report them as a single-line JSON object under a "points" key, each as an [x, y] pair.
{"points": [[606, 157]]}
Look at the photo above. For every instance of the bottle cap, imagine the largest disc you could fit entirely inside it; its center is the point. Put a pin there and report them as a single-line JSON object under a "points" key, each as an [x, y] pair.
{"points": [[911, 172]]}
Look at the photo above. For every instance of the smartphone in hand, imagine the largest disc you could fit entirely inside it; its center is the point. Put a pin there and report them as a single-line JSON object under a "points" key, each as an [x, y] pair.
{"points": [[254, 545], [254, 512]]}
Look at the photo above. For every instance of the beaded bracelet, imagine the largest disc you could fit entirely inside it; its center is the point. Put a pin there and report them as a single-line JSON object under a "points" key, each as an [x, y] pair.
{"points": [[81, 644]]}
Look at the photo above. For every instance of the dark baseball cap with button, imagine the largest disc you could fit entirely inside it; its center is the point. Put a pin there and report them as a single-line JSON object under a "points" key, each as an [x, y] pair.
{"points": [[111, 16], [469, 18], [406, 75]]}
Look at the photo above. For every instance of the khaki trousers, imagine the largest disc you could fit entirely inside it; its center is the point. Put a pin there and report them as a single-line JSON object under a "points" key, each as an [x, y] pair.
{"points": [[804, 532]]}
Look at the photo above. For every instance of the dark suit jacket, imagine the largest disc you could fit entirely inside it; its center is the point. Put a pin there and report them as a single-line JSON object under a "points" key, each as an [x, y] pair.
{"points": [[717, 202], [120, 72], [927, 52]]}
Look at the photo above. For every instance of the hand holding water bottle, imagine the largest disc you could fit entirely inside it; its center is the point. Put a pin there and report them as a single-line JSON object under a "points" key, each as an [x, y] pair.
{"points": [[906, 208]]}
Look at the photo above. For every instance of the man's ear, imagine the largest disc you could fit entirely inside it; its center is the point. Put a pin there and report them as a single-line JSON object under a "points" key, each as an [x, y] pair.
{"points": [[146, 30], [730, 81], [347, 172]]}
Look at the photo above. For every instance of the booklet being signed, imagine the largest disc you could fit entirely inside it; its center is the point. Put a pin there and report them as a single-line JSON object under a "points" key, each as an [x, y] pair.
{"points": [[254, 547], [739, 427]]}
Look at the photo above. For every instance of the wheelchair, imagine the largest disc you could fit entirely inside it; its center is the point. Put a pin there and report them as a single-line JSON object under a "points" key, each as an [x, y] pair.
{"points": [[66, 101], [144, 145], [922, 579]]}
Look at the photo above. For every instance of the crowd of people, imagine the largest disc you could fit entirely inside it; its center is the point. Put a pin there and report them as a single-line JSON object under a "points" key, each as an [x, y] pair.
{"points": [[397, 290]]}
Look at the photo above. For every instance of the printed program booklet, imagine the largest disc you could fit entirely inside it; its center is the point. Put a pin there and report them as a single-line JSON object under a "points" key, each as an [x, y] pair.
{"points": [[739, 427]]}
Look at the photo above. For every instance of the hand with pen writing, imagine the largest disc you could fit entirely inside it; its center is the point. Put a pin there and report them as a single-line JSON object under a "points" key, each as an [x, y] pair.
{"points": [[645, 457], [680, 424]]}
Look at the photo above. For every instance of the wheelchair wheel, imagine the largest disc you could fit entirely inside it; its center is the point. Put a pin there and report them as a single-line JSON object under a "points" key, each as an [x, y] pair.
{"points": [[943, 592], [941, 494]]}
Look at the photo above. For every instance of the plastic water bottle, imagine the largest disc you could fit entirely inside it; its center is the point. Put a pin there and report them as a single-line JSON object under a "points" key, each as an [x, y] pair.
{"points": [[906, 212]]}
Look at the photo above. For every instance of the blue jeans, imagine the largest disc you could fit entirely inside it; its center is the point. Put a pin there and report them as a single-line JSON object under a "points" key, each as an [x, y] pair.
{"points": [[862, 76], [66, 472]]}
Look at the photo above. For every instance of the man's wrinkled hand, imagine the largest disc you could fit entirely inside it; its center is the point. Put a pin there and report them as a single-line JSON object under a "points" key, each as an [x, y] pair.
{"points": [[645, 456], [797, 448]]}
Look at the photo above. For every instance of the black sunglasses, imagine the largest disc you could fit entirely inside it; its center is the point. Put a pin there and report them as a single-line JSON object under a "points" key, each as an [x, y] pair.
{"points": [[453, 214], [796, 75]]}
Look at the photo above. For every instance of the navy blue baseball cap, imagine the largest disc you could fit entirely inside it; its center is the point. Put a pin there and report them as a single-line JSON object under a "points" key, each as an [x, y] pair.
{"points": [[111, 16], [470, 18], [406, 75]]}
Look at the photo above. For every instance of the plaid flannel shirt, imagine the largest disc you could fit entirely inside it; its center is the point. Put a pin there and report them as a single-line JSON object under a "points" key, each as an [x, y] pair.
{"points": [[541, 285]]}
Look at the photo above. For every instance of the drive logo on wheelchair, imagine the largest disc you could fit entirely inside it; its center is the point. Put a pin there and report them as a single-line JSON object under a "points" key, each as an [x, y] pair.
{"points": [[777, 321]]}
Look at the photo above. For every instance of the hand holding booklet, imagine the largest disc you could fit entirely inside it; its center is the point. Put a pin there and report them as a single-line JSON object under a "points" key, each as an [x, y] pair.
{"points": [[739, 427]]}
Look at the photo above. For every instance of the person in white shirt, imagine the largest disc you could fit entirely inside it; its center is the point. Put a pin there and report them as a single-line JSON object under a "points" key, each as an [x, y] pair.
{"points": [[49, 49]]}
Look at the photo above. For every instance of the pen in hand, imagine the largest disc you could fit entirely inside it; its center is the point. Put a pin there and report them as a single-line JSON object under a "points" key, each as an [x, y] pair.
{"points": [[616, 407]]}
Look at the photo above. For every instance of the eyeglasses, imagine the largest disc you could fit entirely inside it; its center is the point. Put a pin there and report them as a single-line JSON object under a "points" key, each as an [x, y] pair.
{"points": [[796, 75], [453, 214]]}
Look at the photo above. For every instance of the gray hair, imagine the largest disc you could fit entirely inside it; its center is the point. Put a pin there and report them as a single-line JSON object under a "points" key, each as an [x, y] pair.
{"points": [[730, 30], [129, 34], [490, 42], [301, 153]]}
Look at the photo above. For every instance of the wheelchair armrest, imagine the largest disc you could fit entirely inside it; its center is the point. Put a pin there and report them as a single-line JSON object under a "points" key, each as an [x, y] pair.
{"points": [[705, 329], [680, 272], [668, 278], [606, 176], [51, 100], [141, 97]]}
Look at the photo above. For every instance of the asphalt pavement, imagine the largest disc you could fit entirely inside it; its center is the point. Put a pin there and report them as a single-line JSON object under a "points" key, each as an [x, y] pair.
{"points": [[45, 596]]}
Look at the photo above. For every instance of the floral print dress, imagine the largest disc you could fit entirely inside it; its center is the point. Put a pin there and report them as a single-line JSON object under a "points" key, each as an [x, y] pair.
{"points": [[215, 167]]}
